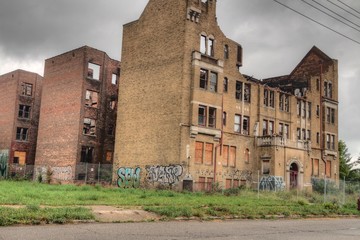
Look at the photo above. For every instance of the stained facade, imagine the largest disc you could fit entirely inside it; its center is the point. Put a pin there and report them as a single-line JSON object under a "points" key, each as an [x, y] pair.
{"points": [[78, 112], [187, 111], [20, 98]]}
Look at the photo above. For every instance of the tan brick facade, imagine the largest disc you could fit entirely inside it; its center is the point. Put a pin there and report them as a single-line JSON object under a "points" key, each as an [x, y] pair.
{"points": [[179, 122]]}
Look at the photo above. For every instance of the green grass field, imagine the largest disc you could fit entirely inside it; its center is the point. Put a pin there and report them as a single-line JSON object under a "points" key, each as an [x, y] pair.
{"points": [[66, 203]]}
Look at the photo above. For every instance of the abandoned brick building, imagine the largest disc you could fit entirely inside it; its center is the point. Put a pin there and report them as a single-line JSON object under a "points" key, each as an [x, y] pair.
{"points": [[78, 112], [188, 117], [20, 97]]}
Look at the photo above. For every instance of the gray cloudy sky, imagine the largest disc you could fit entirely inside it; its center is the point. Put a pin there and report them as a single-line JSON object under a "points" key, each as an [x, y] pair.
{"points": [[274, 38]]}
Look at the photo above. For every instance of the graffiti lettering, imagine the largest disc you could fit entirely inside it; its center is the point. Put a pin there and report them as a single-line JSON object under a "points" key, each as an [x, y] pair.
{"points": [[164, 174], [129, 177], [272, 183], [4, 155]]}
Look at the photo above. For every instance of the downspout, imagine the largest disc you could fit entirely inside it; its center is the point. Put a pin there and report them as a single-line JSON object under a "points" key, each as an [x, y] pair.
{"points": [[321, 116]]}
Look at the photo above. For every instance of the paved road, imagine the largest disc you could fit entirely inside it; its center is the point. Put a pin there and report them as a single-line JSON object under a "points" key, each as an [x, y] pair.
{"points": [[324, 229]]}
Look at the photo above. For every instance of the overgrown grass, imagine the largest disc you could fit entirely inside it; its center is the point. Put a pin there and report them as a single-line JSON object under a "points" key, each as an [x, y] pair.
{"points": [[243, 204]]}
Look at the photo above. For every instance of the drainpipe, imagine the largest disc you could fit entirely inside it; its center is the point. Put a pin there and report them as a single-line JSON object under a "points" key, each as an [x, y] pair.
{"points": [[321, 116]]}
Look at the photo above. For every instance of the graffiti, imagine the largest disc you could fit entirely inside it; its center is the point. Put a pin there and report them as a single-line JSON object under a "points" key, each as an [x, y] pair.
{"points": [[241, 175], [62, 173], [205, 172], [272, 183], [4, 156], [164, 174], [129, 177]]}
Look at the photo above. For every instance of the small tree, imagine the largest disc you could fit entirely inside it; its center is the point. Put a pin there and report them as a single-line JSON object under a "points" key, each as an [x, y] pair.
{"points": [[347, 170]]}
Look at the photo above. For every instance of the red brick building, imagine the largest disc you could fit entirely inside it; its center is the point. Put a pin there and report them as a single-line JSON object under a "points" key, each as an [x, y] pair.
{"points": [[78, 114], [20, 97]]}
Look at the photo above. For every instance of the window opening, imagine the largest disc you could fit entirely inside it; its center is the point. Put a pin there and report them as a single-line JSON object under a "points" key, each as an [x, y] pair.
{"points": [[22, 134], [93, 71], [24, 111]]}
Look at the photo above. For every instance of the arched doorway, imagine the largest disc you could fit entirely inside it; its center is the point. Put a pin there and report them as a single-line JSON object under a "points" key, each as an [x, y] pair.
{"points": [[294, 172]]}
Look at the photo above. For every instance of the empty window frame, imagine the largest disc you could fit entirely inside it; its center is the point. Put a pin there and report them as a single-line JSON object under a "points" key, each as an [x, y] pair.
{"points": [[269, 98], [308, 135], [224, 119], [284, 102], [237, 123], [89, 127], [226, 84], [26, 89], [317, 110], [318, 138], [203, 44], [207, 45], [246, 125], [226, 51], [271, 128], [281, 129], [298, 133], [328, 89], [24, 111], [22, 134], [286, 131], [210, 44], [265, 127], [298, 107], [265, 166], [239, 56], [114, 79], [93, 71], [86, 154], [309, 107], [247, 92], [204, 76], [238, 90], [303, 133], [91, 99]]}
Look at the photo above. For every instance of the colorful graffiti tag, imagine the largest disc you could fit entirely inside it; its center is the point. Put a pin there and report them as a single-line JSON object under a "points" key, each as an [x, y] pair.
{"points": [[4, 156], [164, 174], [128, 177]]}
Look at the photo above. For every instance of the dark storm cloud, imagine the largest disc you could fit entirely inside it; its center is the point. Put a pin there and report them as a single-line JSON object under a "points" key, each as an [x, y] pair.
{"points": [[274, 39]]}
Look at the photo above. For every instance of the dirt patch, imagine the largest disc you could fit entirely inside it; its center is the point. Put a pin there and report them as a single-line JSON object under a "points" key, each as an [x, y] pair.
{"points": [[116, 214]]}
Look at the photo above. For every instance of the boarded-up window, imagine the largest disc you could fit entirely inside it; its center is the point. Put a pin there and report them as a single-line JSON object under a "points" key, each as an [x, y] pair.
{"points": [[199, 149], [232, 157], [236, 183], [315, 167], [210, 182], [201, 184], [20, 158], [228, 184], [209, 153], [225, 161], [328, 169]]}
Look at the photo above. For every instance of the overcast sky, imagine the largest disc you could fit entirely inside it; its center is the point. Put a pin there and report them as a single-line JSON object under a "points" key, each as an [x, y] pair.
{"points": [[273, 37]]}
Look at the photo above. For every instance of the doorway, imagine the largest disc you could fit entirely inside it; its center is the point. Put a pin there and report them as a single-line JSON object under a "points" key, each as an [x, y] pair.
{"points": [[294, 172]]}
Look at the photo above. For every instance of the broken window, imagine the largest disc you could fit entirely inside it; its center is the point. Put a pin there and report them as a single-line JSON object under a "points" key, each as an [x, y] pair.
{"points": [[271, 128], [237, 123], [111, 130], [266, 167], [298, 107], [114, 79], [247, 92], [199, 152], [309, 110], [210, 50], [93, 71], [24, 111], [317, 110], [26, 89], [202, 116], [308, 135], [112, 104], [89, 127], [303, 109], [86, 154], [212, 117], [246, 125], [91, 99], [226, 83], [203, 44], [22, 134], [203, 78], [266, 97], [226, 52], [238, 93], [286, 131], [284, 104], [281, 129], [272, 99], [317, 138], [265, 127], [328, 141], [213, 82], [239, 55], [298, 133], [287, 103], [303, 131]]}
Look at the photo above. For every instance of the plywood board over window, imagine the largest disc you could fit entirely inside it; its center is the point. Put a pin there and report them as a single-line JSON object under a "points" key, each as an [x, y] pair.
{"points": [[199, 149], [232, 156], [225, 157], [209, 147], [328, 169], [20, 158]]}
